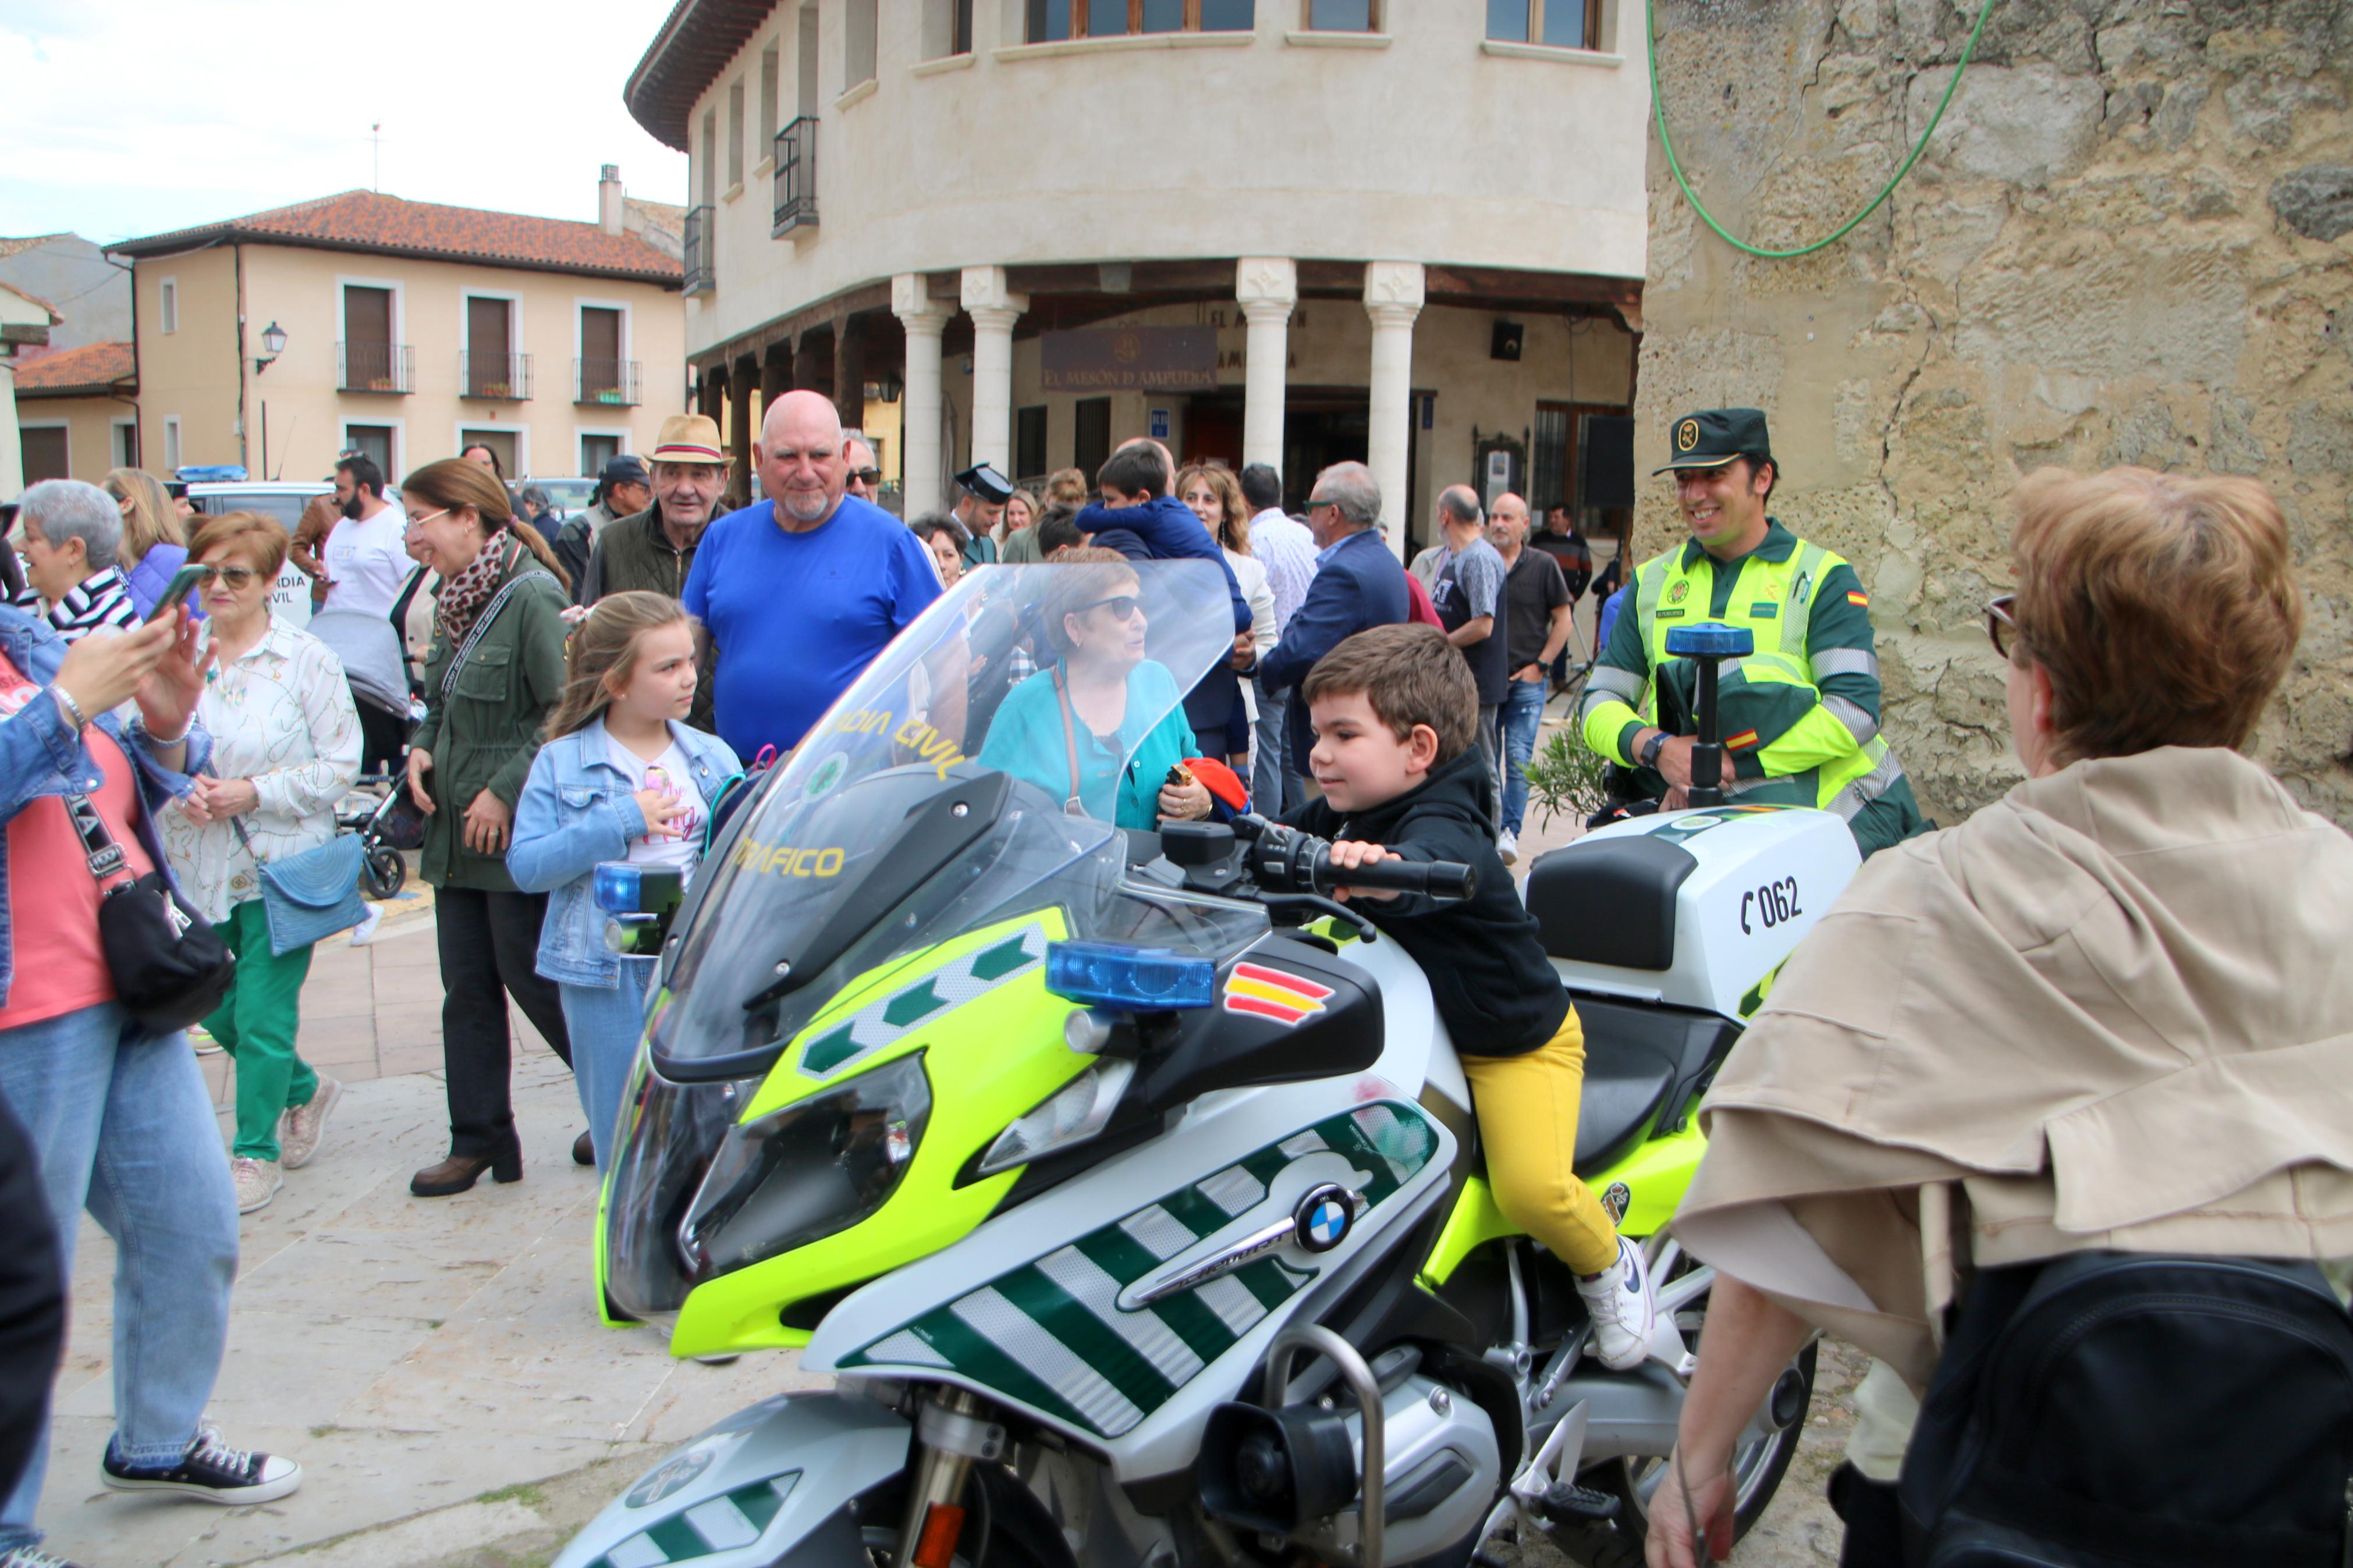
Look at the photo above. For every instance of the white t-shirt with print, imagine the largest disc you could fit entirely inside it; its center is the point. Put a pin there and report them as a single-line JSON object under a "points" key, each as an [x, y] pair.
{"points": [[673, 775], [366, 566]]}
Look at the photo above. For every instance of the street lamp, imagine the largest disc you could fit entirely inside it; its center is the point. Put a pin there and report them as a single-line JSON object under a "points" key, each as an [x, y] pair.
{"points": [[274, 338]]}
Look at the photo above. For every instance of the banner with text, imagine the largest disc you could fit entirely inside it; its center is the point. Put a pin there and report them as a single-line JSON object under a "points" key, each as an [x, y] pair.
{"points": [[1130, 359]]}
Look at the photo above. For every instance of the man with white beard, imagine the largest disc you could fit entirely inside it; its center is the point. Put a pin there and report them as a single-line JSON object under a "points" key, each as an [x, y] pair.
{"points": [[800, 591]]}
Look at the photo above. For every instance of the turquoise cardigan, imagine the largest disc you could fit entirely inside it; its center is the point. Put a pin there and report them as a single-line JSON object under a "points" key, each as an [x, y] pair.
{"points": [[1119, 774]]}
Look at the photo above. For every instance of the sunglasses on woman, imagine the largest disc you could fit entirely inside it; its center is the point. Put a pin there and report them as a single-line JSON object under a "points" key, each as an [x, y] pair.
{"points": [[2001, 624], [1123, 607], [236, 577]]}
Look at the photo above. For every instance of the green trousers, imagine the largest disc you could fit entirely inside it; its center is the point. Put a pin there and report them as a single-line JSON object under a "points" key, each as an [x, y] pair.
{"points": [[256, 1024]]}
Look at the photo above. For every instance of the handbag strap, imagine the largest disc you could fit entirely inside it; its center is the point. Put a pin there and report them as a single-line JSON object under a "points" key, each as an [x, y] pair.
{"points": [[481, 624], [104, 856], [1071, 807]]}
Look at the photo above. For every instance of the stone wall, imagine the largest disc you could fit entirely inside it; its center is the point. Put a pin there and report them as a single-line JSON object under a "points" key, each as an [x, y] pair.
{"points": [[2130, 241]]}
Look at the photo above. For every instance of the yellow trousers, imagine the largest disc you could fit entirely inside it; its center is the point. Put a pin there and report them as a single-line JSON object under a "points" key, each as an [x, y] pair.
{"points": [[1526, 1107]]}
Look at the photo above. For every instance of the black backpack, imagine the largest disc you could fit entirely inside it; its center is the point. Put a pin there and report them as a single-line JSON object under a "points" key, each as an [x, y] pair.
{"points": [[2111, 1408]]}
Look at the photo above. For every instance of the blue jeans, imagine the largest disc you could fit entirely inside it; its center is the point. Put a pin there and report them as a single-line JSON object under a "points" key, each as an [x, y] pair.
{"points": [[122, 1124], [1524, 705], [606, 1022]]}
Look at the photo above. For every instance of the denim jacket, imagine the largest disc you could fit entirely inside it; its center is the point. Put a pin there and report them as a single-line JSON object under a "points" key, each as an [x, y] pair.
{"points": [[41, 755], [577, 809]]}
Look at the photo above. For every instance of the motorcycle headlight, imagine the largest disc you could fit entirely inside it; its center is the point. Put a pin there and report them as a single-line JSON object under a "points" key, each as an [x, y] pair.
{"points": [[806, 1172]]}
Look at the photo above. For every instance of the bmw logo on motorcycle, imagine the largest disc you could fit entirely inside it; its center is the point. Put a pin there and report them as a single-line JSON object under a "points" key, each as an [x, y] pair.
{"points": [[1322, 1218]]}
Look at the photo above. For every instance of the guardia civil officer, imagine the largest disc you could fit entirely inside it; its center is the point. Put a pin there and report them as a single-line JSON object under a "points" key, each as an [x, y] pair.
{"points": [[1800, 715]]}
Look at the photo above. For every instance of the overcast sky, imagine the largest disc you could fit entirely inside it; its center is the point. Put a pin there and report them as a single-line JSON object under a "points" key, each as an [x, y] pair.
{"points": [[132, 116]]}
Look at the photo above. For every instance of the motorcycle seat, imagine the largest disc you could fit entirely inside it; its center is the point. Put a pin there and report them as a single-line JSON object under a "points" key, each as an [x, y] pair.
{"points": [[1626, 1086], [1609, 900]]}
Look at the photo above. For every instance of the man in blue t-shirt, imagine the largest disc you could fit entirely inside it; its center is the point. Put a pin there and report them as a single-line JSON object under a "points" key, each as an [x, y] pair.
{"points": [[801, 591]]}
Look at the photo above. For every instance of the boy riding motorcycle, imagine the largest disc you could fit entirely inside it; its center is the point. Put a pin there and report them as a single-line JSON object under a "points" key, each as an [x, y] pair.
{"points": [[1393, 710]]}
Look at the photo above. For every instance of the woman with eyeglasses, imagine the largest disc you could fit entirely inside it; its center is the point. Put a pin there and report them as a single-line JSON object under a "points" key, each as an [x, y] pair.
{"points": [[1071, 729], [286, 746], [495, 672], [2105, 1013]]}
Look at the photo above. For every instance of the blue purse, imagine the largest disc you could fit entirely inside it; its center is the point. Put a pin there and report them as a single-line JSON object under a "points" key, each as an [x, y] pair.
{"points": [[311, 895]]}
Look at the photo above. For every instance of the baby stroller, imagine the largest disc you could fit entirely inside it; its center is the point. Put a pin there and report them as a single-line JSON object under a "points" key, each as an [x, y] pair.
{"points": [[372, 662]]}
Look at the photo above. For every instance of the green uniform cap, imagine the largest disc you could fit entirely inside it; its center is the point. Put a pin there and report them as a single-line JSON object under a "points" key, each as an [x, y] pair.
{"points": [[1715, 436]]}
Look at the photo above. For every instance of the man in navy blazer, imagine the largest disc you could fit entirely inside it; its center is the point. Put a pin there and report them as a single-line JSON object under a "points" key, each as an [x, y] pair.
{"points": [[1357, 584]]}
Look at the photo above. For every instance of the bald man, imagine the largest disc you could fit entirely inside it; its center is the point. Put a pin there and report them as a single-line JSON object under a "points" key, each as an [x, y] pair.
{"points": [[800, 591]]}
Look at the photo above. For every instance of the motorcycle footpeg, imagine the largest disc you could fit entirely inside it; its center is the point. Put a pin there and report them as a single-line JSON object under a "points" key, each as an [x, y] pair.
{"points": [[1566, 1503]]}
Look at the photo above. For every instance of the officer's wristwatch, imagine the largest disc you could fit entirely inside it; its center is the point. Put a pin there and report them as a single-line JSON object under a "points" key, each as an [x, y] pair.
{"points": [[1648, 756]]}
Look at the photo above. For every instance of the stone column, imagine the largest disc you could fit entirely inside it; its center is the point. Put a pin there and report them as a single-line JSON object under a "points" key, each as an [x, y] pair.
{"points": [[919, 427], [1393, 296], [1267, 288], [742, 376], [994, 308]]}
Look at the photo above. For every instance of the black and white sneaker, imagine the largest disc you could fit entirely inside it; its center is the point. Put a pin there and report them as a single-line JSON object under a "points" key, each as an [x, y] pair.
{"points": [[210, 1470], [33, 1557]]}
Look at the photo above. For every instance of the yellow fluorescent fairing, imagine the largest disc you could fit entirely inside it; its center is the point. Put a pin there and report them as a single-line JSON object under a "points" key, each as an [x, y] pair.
{"points": [[991, 1035], [1655, 1176]]}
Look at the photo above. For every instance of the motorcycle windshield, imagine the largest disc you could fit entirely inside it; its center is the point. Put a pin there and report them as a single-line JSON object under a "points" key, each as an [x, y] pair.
{"points": [[937, 795]]}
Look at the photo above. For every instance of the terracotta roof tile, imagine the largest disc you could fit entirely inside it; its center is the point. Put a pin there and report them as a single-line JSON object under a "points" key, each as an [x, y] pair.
{"points": [[389, 225], [72, 372]]}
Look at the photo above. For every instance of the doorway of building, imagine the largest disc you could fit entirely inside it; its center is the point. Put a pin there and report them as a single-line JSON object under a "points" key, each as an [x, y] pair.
{"points": [[1213, 429], [1321, 427]]}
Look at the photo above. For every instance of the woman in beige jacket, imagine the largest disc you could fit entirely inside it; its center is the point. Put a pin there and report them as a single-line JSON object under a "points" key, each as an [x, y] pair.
{"points": [[2109, 1011]]}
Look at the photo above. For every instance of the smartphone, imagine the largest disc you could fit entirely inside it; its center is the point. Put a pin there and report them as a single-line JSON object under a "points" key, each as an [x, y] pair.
{"points": [[182, 584]]}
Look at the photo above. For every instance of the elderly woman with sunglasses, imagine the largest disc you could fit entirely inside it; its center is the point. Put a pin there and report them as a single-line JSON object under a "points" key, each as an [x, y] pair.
{"points": [[285, 747], [2094, 1016], [1085, 730]]}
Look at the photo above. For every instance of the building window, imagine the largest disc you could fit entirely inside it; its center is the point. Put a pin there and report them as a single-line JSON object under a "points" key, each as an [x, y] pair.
{"points": [[172, 458], [502, 442], [375, 441], [771, 84], [595, 451], [1092, 445], [947, 28], [710, 156], [1564, 24], [1053, 20], [805, 61], [1343, 17], [167, 310], [46, 451], [858, 28], [605, 375], [126, 443], [491, 367], [735, 133], [374, 360], [961, 43], [1029, 441]]}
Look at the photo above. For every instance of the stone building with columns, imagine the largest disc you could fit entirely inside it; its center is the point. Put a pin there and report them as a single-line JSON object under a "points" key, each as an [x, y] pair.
{"points": [[1288, 231]]}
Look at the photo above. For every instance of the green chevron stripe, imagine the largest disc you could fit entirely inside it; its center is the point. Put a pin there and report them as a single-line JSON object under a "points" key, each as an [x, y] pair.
{"points": [[679, 1538], [762, 1502], [1196, 1213], [1117, 1254], [1269, 1282], [981, 1361], [1113, 1360]]}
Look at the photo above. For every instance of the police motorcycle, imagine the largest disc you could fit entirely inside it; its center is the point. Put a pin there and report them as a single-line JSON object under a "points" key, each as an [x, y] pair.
{"points": [[1127, 1187]]}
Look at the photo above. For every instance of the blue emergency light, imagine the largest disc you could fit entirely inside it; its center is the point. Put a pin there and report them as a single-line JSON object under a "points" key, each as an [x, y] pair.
{"points": [[1710, 639], [620, 887], [1129, 979]]}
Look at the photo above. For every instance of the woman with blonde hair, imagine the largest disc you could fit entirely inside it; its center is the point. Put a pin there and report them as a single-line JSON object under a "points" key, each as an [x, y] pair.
{"points": [[2094, 1017], [495, 672], [154, 540], [620, 776], [1017, 530], [1215, 495]]}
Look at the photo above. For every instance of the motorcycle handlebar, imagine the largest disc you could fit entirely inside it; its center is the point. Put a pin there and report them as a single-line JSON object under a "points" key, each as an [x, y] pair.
{"points": [[1449, 879]]}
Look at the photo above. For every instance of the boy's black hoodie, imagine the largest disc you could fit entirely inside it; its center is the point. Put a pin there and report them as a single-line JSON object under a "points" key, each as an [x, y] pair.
{"points": [[1499, 994]]}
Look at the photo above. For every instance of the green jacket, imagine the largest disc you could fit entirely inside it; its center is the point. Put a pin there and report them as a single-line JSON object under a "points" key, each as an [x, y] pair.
{"points": [[484, 734], [635, 554]]}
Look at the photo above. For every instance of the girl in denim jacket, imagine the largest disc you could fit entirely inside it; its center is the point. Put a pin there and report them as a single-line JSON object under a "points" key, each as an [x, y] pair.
{"points": [[620, 778]]}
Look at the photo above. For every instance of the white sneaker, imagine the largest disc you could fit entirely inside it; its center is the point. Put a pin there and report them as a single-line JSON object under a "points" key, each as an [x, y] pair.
{"points": [[206, 1045], [1623, 1307], [301, 1127], [1508, 846], [258, 1181]]}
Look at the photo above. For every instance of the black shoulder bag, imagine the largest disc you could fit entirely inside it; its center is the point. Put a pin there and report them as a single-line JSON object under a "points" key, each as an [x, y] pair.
{"points": [[170, 969]]}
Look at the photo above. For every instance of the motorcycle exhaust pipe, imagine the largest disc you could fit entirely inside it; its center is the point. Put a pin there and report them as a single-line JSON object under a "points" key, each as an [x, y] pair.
{"points": [[1278, 1469]]}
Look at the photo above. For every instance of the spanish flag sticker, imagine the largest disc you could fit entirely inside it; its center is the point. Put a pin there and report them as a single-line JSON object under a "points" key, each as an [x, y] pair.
{"points": [[1742, 741], [1856, 597], [1272, 994]]}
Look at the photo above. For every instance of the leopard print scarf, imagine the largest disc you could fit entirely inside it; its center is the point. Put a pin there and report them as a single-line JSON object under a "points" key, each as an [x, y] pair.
{"points": [[463, 596]]}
